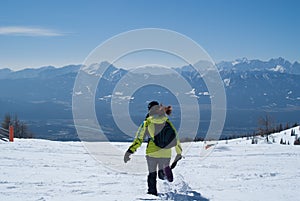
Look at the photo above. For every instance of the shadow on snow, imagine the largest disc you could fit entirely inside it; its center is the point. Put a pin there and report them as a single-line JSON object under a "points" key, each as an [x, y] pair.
{"points": [[188, 196]]}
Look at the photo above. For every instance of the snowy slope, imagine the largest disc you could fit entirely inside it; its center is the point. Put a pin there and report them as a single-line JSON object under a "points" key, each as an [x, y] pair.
{"points": [[285, 135], [236, 170]]}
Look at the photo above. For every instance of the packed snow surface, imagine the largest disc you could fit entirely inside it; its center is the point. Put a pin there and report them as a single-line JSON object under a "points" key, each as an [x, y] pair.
{"points": [[234, 170]]}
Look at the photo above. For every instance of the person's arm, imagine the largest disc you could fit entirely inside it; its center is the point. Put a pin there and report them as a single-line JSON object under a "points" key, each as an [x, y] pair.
{"points": [[178, 146], [139, 138]]}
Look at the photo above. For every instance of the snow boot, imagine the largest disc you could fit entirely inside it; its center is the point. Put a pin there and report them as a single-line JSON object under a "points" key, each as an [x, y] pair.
{"points": [[152, 193], [161, 175], [152, 183], [168, 173]]}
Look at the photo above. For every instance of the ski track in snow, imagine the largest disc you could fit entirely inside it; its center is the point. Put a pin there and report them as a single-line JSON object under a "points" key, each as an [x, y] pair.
{"points": [[40, 170]]}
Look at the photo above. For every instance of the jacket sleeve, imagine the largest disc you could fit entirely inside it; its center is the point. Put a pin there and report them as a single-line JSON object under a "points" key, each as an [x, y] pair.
{"points": [[178, 146], [139, 138]]}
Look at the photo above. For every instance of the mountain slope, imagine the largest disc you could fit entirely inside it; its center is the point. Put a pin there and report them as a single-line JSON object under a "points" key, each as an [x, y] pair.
{"points": [[253, 88]]}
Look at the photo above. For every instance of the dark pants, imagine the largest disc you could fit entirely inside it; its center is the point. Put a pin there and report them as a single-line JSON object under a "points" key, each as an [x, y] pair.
{"points": [[153, 164]]}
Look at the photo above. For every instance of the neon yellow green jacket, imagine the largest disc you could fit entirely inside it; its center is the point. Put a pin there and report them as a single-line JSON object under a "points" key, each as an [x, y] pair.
{"points": [[153, 150]]}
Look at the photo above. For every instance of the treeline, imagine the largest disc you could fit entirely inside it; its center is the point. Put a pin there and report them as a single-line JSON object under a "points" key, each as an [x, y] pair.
{"points": [[20, 128], [266, 126]]}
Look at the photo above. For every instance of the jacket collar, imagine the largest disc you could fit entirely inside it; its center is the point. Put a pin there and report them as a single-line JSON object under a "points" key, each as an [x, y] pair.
{"points": [[157, 119]]}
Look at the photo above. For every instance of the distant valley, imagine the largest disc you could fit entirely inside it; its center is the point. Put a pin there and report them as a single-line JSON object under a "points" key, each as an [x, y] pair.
{"points": [[43, 97]]}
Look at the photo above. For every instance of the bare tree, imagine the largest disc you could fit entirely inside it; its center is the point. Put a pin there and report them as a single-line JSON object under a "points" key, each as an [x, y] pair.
{"points": [[6, 122], [266, 124], [20, 128]]}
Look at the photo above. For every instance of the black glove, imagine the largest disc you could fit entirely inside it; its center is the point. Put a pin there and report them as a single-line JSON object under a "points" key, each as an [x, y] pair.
{"points": [[126, 156], [177, 158]]}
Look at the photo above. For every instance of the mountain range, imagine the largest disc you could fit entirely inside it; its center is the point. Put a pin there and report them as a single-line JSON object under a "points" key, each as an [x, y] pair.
{"points": [[43, 97]]}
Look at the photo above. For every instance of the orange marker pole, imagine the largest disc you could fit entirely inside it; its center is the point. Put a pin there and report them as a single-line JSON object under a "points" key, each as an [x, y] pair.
{"points": [[11, 133]]}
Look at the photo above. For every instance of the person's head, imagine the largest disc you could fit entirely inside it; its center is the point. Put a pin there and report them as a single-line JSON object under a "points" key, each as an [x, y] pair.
{"points": [[157, 110], [151, 104]]}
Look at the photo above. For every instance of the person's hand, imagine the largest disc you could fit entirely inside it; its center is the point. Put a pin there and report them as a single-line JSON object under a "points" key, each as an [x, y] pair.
{"points": [[178, 157], [126, 156]]}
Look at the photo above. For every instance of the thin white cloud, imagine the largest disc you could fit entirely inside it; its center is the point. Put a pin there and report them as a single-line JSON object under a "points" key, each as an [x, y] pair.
{"points": [[28, 31]]}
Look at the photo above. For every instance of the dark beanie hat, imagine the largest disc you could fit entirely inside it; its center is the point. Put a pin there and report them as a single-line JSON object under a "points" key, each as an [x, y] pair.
{"points": [[151, 104]]}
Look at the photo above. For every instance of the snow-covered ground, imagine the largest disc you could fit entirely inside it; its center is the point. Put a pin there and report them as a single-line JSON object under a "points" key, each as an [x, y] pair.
{"points": [[235, 170]]}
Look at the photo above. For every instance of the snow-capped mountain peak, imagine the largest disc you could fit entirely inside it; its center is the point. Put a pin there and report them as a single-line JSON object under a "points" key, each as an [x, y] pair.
{"points": [[276, 65], [278, 68]]}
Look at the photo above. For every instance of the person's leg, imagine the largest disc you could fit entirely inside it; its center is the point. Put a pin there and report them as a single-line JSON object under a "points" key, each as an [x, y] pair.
{"points": [[164, 166], [161, 174], [163, 162], [152, 166], [169, 174]]}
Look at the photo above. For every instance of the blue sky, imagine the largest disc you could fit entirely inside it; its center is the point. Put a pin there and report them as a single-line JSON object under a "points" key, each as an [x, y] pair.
{"points": [[39, 33]]}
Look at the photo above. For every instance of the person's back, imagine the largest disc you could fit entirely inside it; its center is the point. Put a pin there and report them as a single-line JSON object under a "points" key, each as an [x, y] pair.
{"points": [[155, 123]]}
